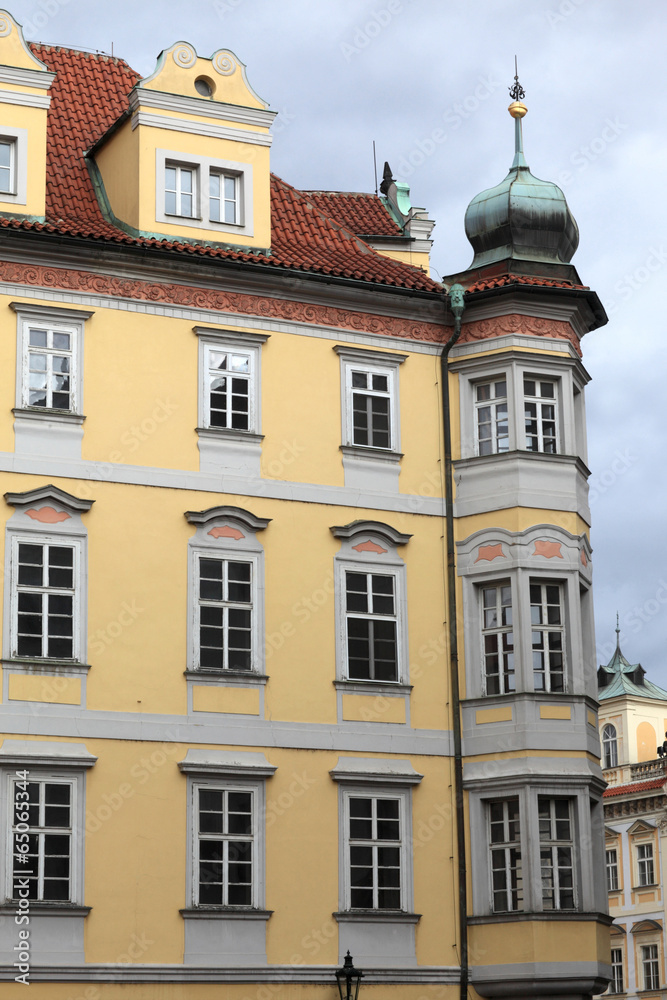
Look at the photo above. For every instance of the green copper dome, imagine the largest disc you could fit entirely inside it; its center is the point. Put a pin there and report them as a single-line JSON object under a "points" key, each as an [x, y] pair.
{"points": [[522, 217]]}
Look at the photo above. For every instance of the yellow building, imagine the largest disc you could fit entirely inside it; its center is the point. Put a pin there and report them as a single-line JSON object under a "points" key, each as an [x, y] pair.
{"points": [[297, 623], [632, 718]]}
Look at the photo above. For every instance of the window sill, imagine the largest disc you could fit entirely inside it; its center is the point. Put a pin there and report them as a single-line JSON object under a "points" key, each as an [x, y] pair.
{"points": [[44, 413], [39, 665], [516, 916], [47, 909], [638, 888], [242, 677], [224, 913], [386, 916], [230, 434], [372, 687], [368, 452]]}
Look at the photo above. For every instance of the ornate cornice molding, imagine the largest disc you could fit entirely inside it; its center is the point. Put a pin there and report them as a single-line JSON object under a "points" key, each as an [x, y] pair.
{"points": [[512, 323], [235, 302]]}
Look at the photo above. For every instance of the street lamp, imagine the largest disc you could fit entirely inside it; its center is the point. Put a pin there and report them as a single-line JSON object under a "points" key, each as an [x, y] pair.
{"points": [[348, 979]]}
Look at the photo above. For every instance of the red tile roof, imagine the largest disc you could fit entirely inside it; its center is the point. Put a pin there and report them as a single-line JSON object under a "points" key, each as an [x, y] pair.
{"points": [[364, 214], [90, 93], [635, 786], [521, 279]]}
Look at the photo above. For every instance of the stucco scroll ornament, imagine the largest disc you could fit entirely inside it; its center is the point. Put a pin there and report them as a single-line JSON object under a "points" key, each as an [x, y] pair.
{"points": [[184, 56], [662, 824], [535, 326], [224, 63], [5, 27]]}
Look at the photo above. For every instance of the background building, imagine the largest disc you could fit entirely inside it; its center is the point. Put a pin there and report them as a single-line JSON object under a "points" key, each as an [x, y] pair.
{"points": [[632, 720], [268, 693]]}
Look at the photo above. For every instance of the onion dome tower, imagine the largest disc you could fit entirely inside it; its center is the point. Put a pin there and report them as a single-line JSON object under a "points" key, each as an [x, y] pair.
{"points": [[516, 386], [523, 217]]}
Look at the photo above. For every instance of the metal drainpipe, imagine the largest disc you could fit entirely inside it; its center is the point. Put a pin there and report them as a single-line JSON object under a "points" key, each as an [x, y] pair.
{"points": [[457, 305]]}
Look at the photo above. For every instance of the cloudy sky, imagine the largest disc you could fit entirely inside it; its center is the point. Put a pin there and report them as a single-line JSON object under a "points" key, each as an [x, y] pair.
{"points": [[428, 81]]}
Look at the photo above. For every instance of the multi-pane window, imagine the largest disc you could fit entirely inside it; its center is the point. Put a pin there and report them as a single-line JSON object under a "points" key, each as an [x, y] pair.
{"points": [[225, 614], [7, 168], [49, 374], [180, 190], [42, 840], [225, 846], [556, 853], [375, 853], [45, 600], [609, 746], [492, 417], [498, 639], [651, 967], [540, 415], [371, 407], [229, 387], [612, 870], [372, 626], [548, 636], [645, 868], [616, 984], [505, 848], [223, 197]]}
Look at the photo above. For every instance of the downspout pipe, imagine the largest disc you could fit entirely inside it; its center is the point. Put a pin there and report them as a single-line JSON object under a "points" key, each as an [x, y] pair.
{"points": [[457, 305]]}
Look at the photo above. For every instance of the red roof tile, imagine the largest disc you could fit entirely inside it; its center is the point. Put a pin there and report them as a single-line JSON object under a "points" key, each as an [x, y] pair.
{"points": [[90, 93], [363, 214], [521, 279], [635, 786]]}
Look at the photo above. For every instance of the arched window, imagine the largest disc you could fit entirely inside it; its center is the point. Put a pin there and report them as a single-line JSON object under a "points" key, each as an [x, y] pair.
{"points": [[609, 746]]}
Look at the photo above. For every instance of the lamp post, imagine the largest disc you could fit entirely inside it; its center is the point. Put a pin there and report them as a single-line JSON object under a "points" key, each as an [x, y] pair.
{"points": [[348, 979]]}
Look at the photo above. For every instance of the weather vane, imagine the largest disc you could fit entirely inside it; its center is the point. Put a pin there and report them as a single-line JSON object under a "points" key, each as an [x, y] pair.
{"points": [[517, 93]]}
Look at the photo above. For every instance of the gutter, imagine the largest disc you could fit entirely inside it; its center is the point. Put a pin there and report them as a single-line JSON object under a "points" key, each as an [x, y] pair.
{"points": [[457, 305]]}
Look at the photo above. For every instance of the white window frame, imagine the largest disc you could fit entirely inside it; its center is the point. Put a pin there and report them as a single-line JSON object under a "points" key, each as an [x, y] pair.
{"points": [[609, 745], [378, 363], [225, 604], [18, 757], [14, 539], [397, 573], [555, 844], [17, 139], [375, 792], [227, 343], [203, 167], [208, 543], [483, 790], [569, 378], [546, 629], [506, 677], [499, 442], [646, 866], [237, 201], [514, 557], [650, 959], [611, 867], [227, 770], [539, 401], [255, 790], [506, 847], [617, 971], [179, 168], [69, 321]]}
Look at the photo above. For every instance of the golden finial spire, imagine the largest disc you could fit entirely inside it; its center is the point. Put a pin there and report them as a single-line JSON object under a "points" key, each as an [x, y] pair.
{"points": [[517, 108]]}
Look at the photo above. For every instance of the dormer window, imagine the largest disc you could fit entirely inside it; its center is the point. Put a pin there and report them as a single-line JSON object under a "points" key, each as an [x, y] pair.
{"points": [[7, 166], [203, 193], [180, 190], [224, 197]]}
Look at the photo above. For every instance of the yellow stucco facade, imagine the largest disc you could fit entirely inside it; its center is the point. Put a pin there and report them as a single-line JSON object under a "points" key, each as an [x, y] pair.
{"points": [[271, 682]]}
